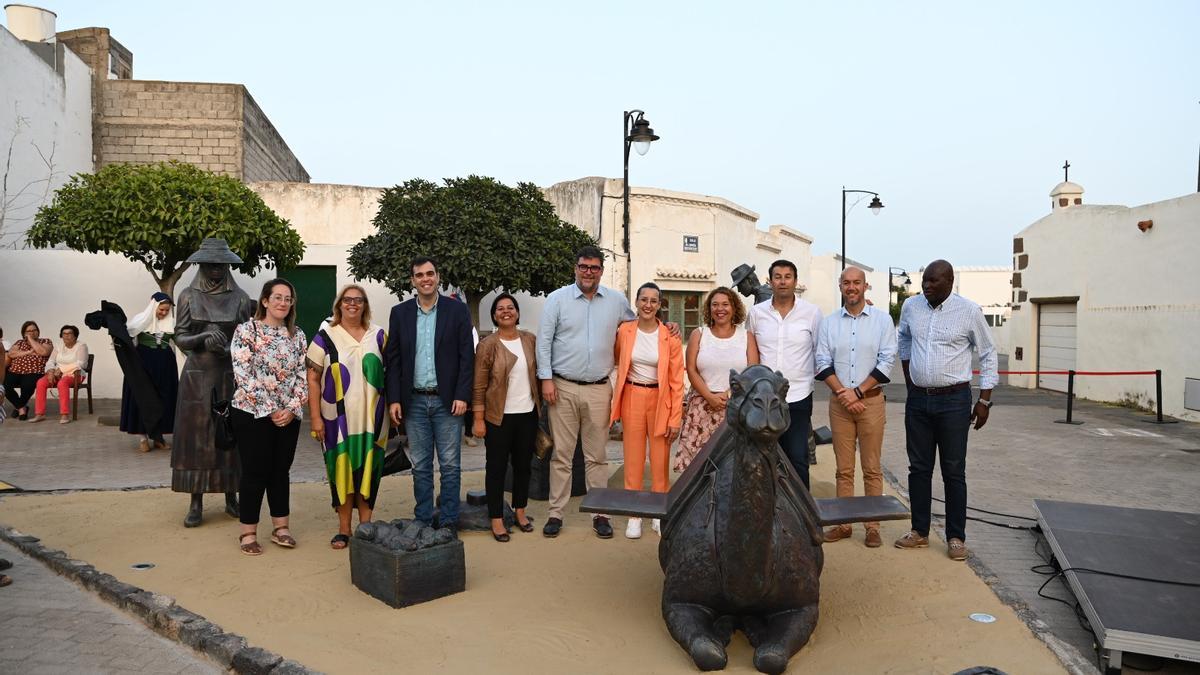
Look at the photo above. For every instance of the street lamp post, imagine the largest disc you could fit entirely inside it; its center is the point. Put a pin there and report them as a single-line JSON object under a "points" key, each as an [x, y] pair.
{"points": [[638, 135], [895, 273], [875, 205]]}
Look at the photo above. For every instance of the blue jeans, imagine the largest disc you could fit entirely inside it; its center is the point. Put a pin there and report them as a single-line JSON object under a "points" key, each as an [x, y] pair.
{"points": [[938, 425], [431, 426], [794, 441]]}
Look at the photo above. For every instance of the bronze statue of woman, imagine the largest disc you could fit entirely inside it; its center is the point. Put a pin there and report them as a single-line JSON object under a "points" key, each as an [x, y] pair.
{"points": [[207, 311]]}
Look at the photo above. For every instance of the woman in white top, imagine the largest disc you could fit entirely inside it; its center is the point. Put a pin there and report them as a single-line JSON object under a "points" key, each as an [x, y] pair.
{"points": [[723, 344], [65, 366], [647, 396], [505, 406]]}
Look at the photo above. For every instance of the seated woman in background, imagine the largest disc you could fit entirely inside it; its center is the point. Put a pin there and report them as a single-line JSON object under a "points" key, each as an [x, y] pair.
{"points": [[26, 365], [721, 345], [153, 331], [66, 365]]}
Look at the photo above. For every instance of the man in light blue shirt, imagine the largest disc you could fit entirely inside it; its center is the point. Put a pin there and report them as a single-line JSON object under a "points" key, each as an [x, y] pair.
{"points": [[938, 330], [856, 348], [574, 357]]}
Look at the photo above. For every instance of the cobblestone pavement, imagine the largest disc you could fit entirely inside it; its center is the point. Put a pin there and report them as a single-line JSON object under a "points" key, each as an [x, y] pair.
{"points": [[1114, 458], [50, 625]]}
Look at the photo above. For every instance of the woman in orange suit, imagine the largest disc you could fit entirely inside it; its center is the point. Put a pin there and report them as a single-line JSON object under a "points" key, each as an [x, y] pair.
{"points": [[648, 398]]}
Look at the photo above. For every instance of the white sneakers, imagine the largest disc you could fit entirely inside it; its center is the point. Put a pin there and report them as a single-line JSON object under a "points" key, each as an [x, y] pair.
{"points": [[634, 529]]}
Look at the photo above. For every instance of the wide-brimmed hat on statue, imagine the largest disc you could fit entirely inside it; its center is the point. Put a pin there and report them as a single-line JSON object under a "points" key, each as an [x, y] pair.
{"points": [[214, 250], [741, 272]]}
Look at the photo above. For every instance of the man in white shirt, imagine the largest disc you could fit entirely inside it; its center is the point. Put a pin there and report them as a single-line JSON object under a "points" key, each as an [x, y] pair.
{"points": [[786, 330]]}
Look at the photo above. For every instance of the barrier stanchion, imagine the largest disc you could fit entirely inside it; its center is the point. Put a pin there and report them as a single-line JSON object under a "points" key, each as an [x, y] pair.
{"points": [[1158, 400], [1070, 399]]}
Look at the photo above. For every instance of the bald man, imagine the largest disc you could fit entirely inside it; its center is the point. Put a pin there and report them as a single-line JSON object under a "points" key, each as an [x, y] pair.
{"points": [[856, 349], [938, 330]]}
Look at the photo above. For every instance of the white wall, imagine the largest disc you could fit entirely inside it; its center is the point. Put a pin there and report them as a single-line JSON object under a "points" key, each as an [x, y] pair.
{"points": [[823, 290], [1139, 295], [46, 120]]}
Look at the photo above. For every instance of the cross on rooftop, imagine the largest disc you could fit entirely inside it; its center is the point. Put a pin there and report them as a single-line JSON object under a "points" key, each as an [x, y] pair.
{"points": [[1066, 168]]}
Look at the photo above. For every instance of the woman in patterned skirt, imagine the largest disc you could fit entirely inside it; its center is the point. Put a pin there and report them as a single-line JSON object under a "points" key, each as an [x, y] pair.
{"points": [[346, 405], [721, 345]]}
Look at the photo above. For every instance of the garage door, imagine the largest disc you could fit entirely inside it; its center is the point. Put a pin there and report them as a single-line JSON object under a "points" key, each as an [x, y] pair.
{"points": [[1056, 343]]}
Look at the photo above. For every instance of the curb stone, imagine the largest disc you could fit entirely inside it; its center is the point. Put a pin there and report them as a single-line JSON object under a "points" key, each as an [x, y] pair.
{"points": [[1067, 655], [159, 612]]}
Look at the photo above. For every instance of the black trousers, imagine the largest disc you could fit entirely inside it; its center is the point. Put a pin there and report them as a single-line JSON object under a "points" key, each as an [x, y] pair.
{"points": [[511, 441], [27, 384], [794, 439], [266, 452], [937, 426]]}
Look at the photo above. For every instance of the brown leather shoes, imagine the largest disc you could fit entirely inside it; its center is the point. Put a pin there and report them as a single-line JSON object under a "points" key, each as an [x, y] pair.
{"points": [[873, 538], [837, 533], [956, 549], [912, 540]]}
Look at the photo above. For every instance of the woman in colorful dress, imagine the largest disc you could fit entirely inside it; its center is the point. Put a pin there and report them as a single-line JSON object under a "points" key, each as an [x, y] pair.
{"points": [[153, 331], [346, 404], [721, 345], [268, 402], [26, 365]]}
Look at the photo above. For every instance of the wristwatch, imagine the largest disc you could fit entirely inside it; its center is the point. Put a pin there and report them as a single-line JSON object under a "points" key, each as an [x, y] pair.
{"points": [[985, 403]]}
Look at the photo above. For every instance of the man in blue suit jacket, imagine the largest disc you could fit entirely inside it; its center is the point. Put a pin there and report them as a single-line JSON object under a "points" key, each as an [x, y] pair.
{"points": [[430, 367]]}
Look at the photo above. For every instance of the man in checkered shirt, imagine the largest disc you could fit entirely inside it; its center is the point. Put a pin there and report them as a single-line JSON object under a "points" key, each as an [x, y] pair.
{"points": [[938, 330]]}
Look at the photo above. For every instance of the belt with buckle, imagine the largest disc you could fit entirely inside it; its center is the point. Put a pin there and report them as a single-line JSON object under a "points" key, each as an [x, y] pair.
{"points": [[581, 382], [426, 392], [872, 392], [938, 391], [639, 384]]}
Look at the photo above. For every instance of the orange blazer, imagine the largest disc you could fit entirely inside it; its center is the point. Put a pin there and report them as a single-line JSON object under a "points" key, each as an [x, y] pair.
{"points": [[670, 375]]}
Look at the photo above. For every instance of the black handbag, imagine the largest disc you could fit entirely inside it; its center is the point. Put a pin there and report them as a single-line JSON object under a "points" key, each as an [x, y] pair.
{"points": [[223, 437]]}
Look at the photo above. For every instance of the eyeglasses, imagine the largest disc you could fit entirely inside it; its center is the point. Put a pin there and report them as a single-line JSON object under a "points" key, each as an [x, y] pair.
{"points": [[285, 299], [32, 331], [351, 300], [590, 269]]}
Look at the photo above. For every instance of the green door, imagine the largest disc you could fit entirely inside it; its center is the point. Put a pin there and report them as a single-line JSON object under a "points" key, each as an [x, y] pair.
{"points": [[316, 287]]}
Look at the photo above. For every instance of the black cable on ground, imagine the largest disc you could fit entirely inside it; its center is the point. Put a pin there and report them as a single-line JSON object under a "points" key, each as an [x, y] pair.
{"points": [[990, 513], [991, 522]]}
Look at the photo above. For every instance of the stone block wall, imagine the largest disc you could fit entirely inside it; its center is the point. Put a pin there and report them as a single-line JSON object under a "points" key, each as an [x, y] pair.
{"points": [[265, 155], [217, 127], [146, 121]]}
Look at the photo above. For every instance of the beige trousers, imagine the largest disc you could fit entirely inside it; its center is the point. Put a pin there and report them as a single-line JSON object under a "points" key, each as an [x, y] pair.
{"points": [[582, 412], [866, 428]]}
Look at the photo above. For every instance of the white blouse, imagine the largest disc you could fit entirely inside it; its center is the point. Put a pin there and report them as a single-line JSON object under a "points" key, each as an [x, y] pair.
{"points": [[68, 360], [643, 369], [717, 356]]}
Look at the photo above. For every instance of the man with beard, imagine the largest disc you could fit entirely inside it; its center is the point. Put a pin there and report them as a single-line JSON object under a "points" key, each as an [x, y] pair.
{"points": [[856, 349]]}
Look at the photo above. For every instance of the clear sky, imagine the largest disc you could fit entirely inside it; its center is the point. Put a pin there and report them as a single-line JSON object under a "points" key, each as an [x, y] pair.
{"points": [[959, 114]]}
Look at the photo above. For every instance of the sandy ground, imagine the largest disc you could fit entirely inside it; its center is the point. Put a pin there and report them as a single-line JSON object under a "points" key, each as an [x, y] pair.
{"points": [[534, 605]]}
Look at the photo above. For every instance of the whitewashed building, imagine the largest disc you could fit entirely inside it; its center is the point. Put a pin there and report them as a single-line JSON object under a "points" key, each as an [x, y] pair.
{"points": [[1110, 288]]}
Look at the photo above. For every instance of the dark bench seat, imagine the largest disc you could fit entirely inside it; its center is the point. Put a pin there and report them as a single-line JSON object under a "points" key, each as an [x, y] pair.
{"points": [[837, 511]]}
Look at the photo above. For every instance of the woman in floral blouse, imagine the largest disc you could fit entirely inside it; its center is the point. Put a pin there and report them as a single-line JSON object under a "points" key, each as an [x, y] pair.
{"points": [[268, 368], [26, 364]]}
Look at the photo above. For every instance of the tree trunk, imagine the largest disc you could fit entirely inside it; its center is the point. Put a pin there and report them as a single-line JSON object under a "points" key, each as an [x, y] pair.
{"points": [[473, 307], [166, 283]]}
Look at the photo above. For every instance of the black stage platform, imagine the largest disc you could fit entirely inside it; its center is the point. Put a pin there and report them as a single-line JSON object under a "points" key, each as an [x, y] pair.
{"points": [[1129, 615]]}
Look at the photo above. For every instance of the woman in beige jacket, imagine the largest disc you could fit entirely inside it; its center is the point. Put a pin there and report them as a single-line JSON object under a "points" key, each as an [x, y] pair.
{"points": [[505, 406]]}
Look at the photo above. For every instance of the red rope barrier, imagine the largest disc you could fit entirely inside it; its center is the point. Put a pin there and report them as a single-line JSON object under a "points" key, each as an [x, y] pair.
{"points": [[1078, 372]]}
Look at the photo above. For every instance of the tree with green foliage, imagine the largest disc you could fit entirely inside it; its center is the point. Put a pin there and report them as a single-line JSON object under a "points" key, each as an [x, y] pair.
{"points": [[901, 296], [157, 215], [483, 234]]}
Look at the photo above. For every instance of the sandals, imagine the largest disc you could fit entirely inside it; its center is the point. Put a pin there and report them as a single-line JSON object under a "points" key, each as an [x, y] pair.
{"points": [[284, 540], [5, 580], [252, 548], [339, 541], [143, 445]]}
